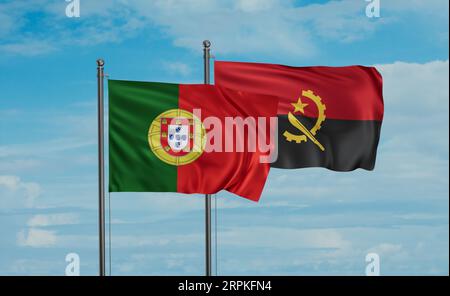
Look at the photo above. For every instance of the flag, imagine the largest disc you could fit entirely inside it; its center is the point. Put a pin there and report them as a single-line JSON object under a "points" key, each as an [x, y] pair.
{"points": [[160, 140], [327, 116]]}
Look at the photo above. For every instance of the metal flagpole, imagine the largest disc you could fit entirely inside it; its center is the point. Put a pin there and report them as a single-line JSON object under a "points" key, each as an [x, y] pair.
{"points": [[208, 245], [101, 168]]}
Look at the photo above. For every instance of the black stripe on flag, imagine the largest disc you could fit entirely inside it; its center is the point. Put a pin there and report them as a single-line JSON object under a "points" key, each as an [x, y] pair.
{"points": [[349, 144]]}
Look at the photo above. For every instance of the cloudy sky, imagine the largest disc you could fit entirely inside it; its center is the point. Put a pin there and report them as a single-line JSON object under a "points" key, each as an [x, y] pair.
{"points": [[308, 222]]}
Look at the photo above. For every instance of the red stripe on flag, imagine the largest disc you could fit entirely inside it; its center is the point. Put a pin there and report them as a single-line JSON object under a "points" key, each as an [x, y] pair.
{"points": [[349, 93]]}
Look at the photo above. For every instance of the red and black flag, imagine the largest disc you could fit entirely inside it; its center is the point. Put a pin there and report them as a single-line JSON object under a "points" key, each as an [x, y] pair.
{"points": [[327, 116]]}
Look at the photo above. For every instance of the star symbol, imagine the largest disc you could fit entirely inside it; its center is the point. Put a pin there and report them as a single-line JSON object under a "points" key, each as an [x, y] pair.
{"points": [[299, 106]]}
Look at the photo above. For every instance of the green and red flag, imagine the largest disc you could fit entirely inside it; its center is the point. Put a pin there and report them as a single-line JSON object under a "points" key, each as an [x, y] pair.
{"points": [[160, 139], [327, 116]]}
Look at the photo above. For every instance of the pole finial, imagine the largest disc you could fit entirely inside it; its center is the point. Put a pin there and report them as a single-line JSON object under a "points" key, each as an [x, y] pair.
{"points": [[206, 43], [100, 62]]}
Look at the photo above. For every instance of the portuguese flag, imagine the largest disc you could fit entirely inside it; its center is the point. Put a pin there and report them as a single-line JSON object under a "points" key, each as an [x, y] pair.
{"points": [[327, 116], [160, 140]]}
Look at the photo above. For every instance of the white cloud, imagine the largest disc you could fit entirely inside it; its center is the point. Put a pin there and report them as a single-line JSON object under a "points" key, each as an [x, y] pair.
{"points": [[232, 29], [386, 249], [434, 8], [271, 26], [416, 87], [101, 21], [36, 238], [342, 21], [28, 47], [256, 5], [6, 23], [45, 147], [244, 26], [17, 193], [297, 238], [178, 68], [10, 182], [62, 149], [53, 219], [18, 165], [415, 129]]}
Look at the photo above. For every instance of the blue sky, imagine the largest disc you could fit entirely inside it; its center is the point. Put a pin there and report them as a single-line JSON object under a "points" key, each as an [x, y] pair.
{"points": [[309, 221]]}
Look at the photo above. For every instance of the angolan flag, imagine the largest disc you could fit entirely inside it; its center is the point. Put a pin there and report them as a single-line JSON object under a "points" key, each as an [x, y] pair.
{"points": [[171, 138], [327, 116]]}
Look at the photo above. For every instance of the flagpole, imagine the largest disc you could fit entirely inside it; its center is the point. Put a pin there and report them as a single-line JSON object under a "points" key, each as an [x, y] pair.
{"points": [[101, 168], [208, 245]]}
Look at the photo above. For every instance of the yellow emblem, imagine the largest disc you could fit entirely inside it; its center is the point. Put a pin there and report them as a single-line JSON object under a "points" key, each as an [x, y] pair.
{"points": [[177, 137], [299, 106]]}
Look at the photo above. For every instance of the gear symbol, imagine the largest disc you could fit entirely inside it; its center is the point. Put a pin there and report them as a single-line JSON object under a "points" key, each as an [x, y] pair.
{"points": [[320, 118], [296, 138]]}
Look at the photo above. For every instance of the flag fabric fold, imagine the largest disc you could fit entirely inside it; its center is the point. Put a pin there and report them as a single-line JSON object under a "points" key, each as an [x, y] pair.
{"points": [[160, 140], [327, 116]]}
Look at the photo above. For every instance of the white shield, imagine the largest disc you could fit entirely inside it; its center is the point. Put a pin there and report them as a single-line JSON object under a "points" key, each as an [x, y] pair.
{"points": [[178, 136]]}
